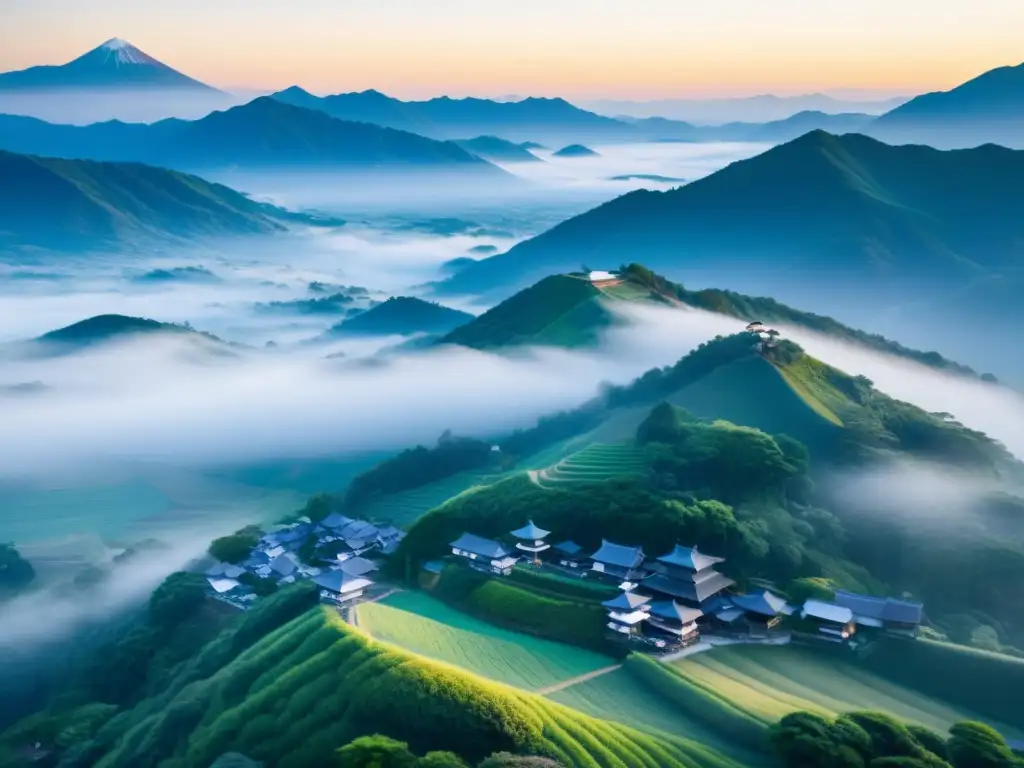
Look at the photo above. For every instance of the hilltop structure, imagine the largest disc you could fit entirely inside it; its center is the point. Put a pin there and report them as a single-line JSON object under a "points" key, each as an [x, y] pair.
{"points": [[531, 539]]}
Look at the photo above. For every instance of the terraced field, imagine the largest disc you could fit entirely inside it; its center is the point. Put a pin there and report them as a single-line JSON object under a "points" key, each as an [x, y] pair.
{"points": [[404, 508], [769, 682], [622, 697], [425, 626], [596, 462]]}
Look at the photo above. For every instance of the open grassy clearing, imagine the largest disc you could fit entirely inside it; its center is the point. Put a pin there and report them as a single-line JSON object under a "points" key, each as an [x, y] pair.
{"points": [[769, 682], [426, 626]]}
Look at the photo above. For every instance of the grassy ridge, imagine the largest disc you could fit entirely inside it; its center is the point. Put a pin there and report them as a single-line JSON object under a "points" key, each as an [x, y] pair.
{"points": [[765, 683], [316, 683], [423, 625], [405, 507]]}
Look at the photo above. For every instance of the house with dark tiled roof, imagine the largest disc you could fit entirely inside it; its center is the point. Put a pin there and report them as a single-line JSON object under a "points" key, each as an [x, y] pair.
{"points": [[340, 586], [484, 554], [901, 617], [626, 613], [672, 623], [619, 562], [832, 622], [687, 575]]}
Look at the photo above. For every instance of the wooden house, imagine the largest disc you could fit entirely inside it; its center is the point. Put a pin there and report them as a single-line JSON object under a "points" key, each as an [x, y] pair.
{"points": [[618, 562], [830, 621], [626, 614], [484, 554], [897, 617]]}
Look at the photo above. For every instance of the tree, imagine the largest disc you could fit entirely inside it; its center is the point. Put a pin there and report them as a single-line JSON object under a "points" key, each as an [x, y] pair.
{"points": [[508, 760], [376, 751], [176, 599], [236, 547], [441, 760], [15, 572], [976, 745]]}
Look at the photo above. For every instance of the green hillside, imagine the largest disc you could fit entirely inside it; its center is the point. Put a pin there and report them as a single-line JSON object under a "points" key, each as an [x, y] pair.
{"points": [[315, 684], [402, 315], [79, 204], [561, 310]]}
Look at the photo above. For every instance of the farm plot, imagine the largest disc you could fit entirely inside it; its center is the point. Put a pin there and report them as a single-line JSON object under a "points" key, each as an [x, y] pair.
{"points": [[423, 625], [769, 682], [597, 462]]}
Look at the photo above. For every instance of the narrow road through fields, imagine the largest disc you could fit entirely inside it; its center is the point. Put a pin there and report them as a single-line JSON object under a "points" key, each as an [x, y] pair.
{"points": [[577, 680]]}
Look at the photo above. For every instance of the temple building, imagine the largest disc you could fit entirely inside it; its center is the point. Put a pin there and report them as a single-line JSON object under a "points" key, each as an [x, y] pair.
{"points": [[618, 562], [484, 554], [674, 623], [569, 554], [626, 614], [531, 539], [832, 622], [688, 575], [898, 617]]}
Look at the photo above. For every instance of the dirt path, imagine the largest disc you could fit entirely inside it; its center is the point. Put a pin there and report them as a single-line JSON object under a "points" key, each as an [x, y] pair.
{"points": [[577, 680], [708, 643]]}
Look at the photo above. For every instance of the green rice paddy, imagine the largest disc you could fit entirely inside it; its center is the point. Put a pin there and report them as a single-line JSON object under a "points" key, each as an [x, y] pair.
{"points": [[423, 625], [768, 682]]}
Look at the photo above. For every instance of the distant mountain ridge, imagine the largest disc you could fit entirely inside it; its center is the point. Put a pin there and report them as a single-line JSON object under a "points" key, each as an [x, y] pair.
{"points": [[821, 221], [530, 119], [264, 133], [116, 64], [987, 109], [81, 204], [402, 315]]}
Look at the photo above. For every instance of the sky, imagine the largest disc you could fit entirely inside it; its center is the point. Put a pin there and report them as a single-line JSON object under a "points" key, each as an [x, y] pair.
{"points": [[641, 49]]}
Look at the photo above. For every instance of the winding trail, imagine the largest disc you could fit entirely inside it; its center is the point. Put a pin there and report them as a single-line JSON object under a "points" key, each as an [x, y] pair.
{"points": [[576, 680]]}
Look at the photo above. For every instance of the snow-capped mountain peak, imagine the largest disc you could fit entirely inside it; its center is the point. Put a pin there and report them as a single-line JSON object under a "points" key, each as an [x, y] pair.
{"points": [[120, 52]]}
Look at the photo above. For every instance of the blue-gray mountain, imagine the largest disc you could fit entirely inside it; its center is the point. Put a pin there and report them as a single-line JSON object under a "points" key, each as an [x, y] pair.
{"points": [[265, 133], [936, 238]]}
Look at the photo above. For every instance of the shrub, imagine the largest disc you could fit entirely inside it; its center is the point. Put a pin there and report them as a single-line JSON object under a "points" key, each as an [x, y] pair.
{"points": [[236, 547], [376, 752]]}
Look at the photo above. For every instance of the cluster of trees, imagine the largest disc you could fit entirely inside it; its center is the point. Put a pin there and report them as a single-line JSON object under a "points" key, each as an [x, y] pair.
{"points": [[236, 547], [418, 466], [16, 572], [876, 740], [379, 751]]}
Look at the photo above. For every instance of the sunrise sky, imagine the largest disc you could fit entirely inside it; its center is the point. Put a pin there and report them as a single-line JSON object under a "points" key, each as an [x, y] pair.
{"points": [[637, 49]]}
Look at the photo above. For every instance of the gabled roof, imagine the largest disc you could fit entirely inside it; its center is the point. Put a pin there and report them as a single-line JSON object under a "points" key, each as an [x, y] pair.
{"points": [[673, 611], [358, 566], [617, 554], [763, 603], [694, 591], [569, 548], [359, 529], [819, 609], [336, 520], [481, 546], [283, 565], [390, 532], [256, 559], [881, 608], [689, 558], [530, 532], [341, 582], [626, 601], [228, 570], [220, 586]]}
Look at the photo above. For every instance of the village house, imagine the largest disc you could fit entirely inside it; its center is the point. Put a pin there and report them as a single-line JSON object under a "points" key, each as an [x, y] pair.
{"points": [[671, 624], [898, 617], [357, 566], [341, 587], [832, 622], [531, 539], [484, 554], [687, 575], [618, 562], [626, 613], [568, 554], [283, 567], [756, 613]]}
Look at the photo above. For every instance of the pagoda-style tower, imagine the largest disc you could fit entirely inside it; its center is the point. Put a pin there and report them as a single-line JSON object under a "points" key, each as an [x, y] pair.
{"points": [[531, 539]]}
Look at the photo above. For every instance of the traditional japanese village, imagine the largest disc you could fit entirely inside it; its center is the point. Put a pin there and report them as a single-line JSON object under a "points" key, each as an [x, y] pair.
{"points": [[665, 604]]}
